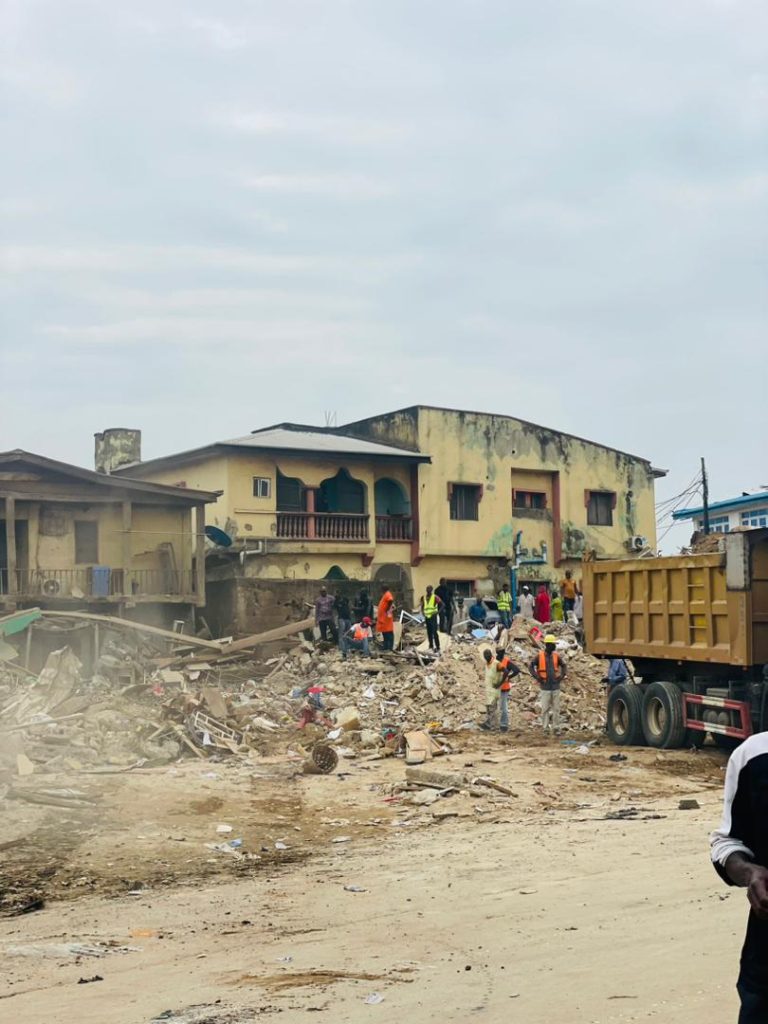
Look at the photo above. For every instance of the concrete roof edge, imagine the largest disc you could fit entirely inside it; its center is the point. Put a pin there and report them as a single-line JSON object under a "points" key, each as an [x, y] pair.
{"points": [[506, 416]]}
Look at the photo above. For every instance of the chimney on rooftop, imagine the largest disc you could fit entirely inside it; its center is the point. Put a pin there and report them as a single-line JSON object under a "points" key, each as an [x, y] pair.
{"points": [[116, 447]]}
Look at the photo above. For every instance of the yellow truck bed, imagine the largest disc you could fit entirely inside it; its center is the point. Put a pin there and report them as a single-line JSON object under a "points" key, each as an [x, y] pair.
{"points": [[699, 608]]}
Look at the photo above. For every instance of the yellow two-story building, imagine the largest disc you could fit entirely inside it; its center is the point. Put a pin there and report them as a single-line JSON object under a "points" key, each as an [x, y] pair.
{"points": [[406, 497]]}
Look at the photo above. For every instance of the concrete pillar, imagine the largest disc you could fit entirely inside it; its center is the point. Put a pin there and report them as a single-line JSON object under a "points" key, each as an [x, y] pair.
{"points": [[127, 549], [10, 543], [310, 510], [200, 553]]}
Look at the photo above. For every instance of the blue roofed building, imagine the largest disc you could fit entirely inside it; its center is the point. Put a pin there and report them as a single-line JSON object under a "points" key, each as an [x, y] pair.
{"points": [[747, 512]]}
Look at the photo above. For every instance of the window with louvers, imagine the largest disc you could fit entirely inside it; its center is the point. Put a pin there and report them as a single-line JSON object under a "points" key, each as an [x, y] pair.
{"points": [[465, 500], [600, 508]]}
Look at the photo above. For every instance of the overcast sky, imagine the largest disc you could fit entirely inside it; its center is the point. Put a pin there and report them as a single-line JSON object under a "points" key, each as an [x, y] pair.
{"points": [[216, 216]]}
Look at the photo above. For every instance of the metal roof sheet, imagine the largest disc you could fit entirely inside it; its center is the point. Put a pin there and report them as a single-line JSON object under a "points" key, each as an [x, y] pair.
{"points": [[319, 441]]}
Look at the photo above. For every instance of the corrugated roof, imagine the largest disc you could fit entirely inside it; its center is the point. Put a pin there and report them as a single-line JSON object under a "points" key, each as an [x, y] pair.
{"points": [[318, 441], [183, 494], [721, 506]]}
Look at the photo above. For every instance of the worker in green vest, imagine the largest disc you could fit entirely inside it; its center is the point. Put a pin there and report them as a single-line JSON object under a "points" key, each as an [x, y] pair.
{"points": [[430, 607], [504, 604]]}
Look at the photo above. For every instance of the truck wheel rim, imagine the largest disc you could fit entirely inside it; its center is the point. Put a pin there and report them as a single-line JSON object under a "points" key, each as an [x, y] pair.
{"points": [[620, 718], [657, 716]]}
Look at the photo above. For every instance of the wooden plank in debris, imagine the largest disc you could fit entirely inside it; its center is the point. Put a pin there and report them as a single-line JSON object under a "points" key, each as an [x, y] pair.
{"points": [[437, 780], [272, 634], [484, 780], [181, 639]]}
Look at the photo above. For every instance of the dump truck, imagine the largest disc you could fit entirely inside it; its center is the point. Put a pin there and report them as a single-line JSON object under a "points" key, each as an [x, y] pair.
{"points": [[695, 630]]}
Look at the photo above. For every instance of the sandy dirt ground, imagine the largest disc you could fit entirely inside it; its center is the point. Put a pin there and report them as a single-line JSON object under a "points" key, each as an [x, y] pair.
{"points": [[585, 897]]}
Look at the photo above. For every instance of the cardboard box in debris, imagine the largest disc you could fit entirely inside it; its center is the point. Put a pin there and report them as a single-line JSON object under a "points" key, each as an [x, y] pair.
{"points": [[153, 696]]}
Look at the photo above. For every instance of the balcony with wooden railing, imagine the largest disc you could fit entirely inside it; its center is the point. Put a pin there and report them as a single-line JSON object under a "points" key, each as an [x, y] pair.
{"points": [[394, 528], [322, 526], [98, 583]]}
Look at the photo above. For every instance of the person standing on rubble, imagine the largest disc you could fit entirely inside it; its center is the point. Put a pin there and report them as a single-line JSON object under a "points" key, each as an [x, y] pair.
{"points": [[444, 592], [557, 608], [341, 606], [363, 607], [526, 603], [569, 588], [504, 604], [492, 684], [430, 606], [507, 671], [549, 670], [385, 618], [324, 615], [542, 610]]}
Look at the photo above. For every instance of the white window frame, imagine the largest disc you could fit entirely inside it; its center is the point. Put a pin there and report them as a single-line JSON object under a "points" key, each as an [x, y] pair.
{"points": [[755, 518], [720, 524], [262, 487]]}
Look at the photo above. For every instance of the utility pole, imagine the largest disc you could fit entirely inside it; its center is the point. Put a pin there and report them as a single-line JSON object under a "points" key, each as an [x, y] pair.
{"points": [[705, 490]]}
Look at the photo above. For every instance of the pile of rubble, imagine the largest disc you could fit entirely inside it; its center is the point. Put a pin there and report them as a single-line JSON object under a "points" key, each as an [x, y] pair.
{"points": [[414, 689], [151, 699]]}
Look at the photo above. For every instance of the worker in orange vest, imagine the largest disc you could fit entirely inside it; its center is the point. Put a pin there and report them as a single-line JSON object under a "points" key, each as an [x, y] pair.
{"points": [[549, 670], [385, 618], [507, 671], [359, 637]]}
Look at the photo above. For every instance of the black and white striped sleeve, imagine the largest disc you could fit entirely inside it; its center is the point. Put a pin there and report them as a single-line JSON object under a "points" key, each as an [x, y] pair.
{"points": [[738, 828]]}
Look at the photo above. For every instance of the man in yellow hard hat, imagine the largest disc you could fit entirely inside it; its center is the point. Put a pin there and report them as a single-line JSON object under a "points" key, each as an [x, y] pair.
{"points": [[549, 670]]}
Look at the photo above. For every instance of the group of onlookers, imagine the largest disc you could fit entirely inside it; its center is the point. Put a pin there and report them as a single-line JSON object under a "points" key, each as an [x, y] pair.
{"points": [[554, 607], [352, 624]]}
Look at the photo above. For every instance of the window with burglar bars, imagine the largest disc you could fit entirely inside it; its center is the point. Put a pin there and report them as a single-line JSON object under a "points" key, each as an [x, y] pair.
{"points": [[600, 506], [465, 501]]}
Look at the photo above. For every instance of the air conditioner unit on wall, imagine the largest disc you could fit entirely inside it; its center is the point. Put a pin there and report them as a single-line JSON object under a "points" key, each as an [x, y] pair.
{"points": [[637, 543]]}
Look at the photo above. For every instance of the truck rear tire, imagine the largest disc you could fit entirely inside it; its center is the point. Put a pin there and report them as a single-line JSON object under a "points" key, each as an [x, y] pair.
{"points": [[624, 715], [663, 722]]}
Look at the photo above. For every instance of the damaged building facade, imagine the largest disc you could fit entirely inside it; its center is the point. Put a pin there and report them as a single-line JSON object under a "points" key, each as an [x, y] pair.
{"points": [[72, 538], [405, 497]]}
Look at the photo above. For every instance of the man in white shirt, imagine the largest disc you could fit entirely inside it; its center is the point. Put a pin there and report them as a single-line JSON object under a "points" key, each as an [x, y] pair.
{"points": [[526, 603]]}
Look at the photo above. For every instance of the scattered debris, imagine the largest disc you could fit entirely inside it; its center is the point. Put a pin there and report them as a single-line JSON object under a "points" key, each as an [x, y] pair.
{"points": [[688, 805]]}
